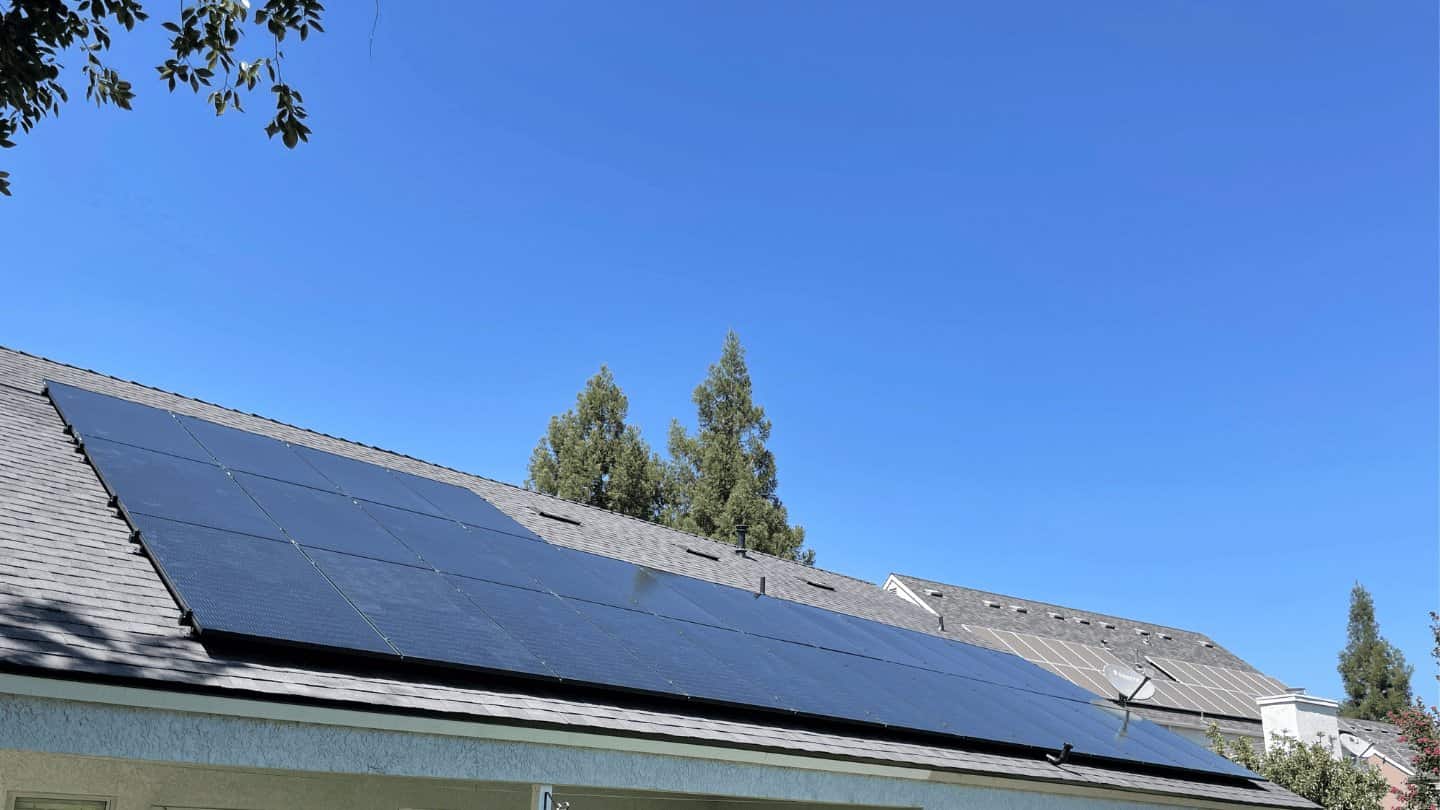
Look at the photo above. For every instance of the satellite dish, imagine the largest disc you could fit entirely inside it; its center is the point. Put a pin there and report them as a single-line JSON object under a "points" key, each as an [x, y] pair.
{"points": [[1131, 685], [1354, 745]]}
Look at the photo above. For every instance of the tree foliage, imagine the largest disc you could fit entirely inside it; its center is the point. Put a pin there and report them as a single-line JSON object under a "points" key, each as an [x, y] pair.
{"points": [[724, 475], [1420, 729], [35, 35], [1377, 679], [1309, 770], [590, 455]]}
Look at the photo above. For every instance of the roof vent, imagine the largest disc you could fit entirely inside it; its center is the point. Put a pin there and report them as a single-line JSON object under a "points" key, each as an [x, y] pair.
{"points": [[698, 553], [740, 530], [1204, 643], [1140, 631], [561, 518], [1107, 625], [990, 603], [1081, 620], [1166, 636], [1020, 608], [822, 586], [1055, 615], [934, 593]]}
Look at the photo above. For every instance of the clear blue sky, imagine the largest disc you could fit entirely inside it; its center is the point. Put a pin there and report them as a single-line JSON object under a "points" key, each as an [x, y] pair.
{"points": [[1128, 306]]}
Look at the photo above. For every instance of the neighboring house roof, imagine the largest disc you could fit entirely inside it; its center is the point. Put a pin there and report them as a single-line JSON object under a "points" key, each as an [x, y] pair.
{"points": [[1120, 635], [994, 616], [77, 599], [1386, 739]]}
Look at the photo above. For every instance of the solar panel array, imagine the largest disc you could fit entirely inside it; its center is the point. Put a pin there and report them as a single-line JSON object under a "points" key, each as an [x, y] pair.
{"points": [[1180, 684], [1081, 664], [1216, 690], [266, 540]]}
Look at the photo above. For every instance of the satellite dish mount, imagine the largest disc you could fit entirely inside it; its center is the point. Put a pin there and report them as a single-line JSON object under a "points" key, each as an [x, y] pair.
{"points": [[1130, 685]]}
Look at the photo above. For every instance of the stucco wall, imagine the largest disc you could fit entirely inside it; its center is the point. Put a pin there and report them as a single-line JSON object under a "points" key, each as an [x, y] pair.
{"points": [[186, 759]]}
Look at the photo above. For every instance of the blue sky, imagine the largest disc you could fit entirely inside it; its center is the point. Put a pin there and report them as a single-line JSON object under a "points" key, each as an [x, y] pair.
{"points": [[1130, 307]]}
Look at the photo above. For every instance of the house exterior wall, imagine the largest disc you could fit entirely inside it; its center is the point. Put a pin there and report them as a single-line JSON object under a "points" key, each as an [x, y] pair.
{"points": [[158, 758], [1393, 775]]}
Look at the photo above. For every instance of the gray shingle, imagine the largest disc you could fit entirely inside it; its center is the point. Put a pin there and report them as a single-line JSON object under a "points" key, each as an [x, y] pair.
{"points": [[79, 599]]}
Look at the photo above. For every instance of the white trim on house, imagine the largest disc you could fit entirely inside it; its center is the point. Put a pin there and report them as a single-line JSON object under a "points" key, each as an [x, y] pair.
{"points": [[900, 589]]}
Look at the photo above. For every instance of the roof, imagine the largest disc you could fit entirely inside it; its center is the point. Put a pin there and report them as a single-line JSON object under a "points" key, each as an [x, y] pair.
{"points": [[1385, 737], [971, 607], [976, 611], [78, 600]]}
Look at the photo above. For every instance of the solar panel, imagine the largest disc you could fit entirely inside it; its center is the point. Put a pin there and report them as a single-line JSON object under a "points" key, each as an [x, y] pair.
{"points": [[463, 505], [1178, 684], [252, 453], [254, 587], [476, 553], [1218, 690], [555, 632], [367, 482], [94, 416], [150, 483], [266, 540], [320, 519], [1081, 664], [424, 616]]}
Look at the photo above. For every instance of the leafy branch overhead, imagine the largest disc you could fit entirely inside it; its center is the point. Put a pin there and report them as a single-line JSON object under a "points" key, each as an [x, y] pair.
{"points": [[35, 35]]}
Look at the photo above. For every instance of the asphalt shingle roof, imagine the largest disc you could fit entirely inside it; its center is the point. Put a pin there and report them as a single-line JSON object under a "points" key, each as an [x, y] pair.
{"points": [[971, 608], [77, 598]]}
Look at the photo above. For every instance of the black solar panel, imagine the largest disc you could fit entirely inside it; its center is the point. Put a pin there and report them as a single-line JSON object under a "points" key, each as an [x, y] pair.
{"points": [[272, 541], [251, 586]]}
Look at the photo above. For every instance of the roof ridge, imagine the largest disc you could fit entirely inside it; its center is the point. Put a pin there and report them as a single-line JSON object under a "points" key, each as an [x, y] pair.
{"points": [[419, 460], [1094, 613]]}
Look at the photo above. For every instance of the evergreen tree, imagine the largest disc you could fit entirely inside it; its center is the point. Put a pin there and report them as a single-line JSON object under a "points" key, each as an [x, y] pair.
{"points": [[724, 475], [590, 455], [1377, 679]]}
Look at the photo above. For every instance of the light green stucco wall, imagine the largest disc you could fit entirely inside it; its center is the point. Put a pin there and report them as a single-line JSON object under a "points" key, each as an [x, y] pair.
{"points": [[185, 759]]}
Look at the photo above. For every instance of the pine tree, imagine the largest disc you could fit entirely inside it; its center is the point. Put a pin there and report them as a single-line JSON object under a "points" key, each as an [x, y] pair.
{"points": [[590, 455], [724, 475], [1377, 679]]}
